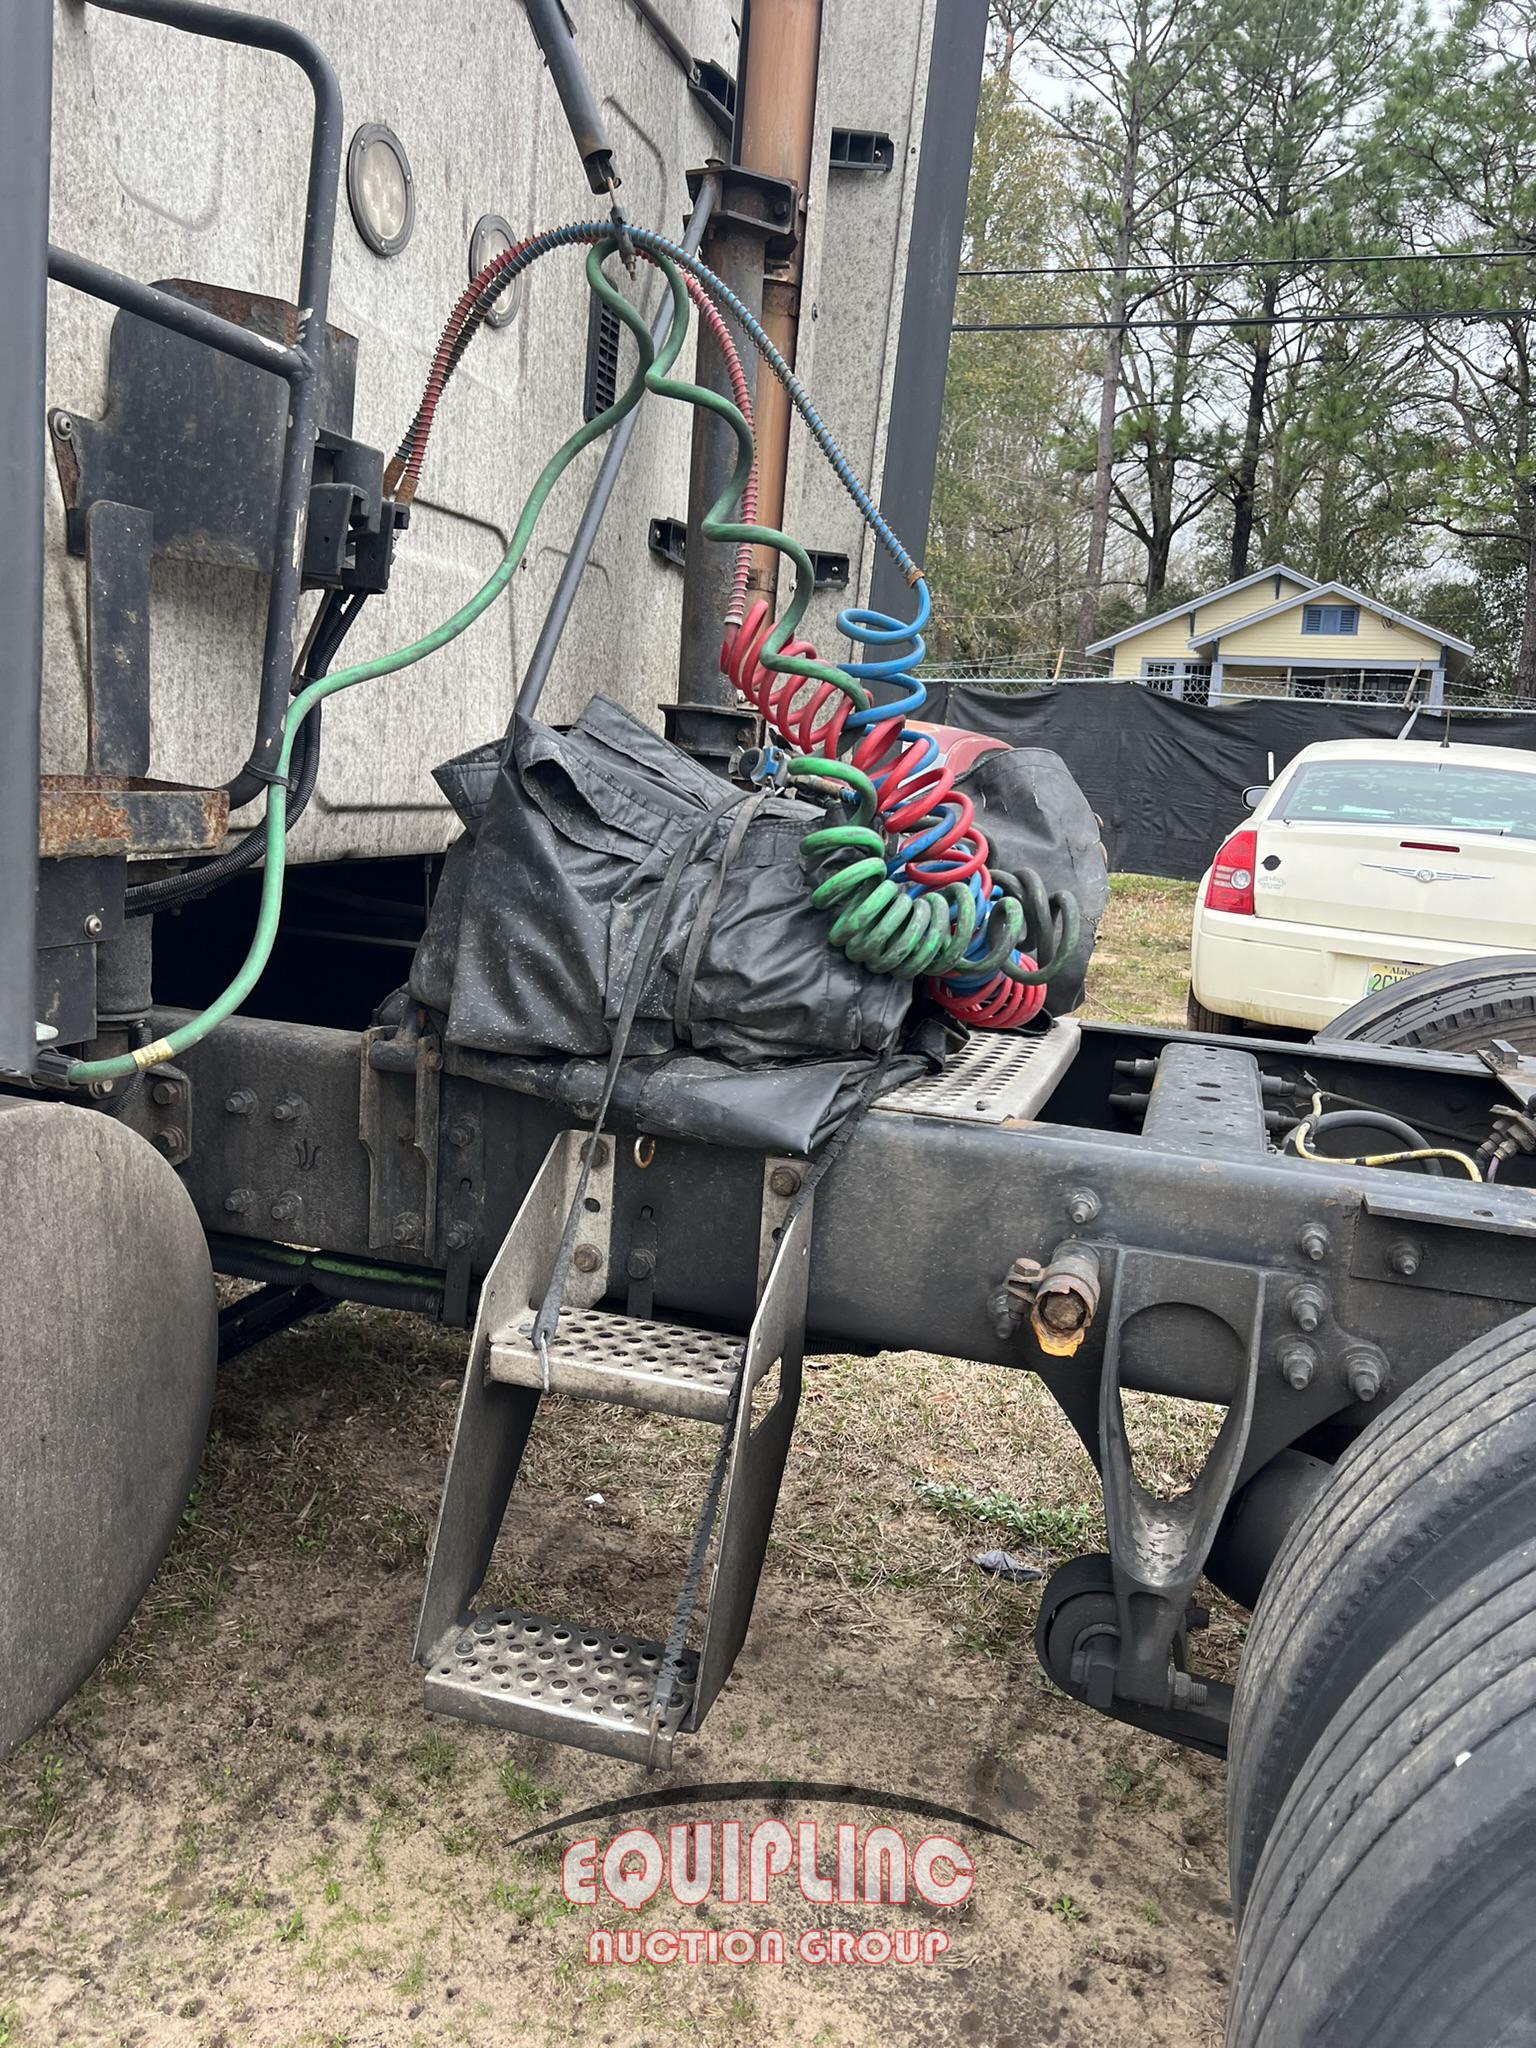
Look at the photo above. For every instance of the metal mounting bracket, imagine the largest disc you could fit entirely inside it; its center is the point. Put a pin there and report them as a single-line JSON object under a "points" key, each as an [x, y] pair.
{"points": [[398, 1117], [1158, 1547]]}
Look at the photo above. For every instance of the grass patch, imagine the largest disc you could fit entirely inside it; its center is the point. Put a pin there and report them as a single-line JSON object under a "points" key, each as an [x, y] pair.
{"points": [[1052, 1528], [525, 1792], [1139, 973]]}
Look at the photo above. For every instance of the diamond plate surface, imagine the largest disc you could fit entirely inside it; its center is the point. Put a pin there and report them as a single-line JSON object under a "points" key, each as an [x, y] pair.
{"points": [[598, 1355], [559, 1682], [995, 1077]]}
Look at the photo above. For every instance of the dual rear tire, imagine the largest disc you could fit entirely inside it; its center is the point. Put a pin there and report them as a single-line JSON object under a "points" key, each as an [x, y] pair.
{"points": [[1382, 1787]]}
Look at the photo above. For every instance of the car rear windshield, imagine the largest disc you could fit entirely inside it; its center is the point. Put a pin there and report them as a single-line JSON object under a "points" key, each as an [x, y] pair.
{"points": [[1445, 795]]}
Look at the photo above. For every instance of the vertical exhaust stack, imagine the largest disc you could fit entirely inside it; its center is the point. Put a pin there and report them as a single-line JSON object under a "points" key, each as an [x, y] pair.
{"points": [[756, 243], [775, 126]]}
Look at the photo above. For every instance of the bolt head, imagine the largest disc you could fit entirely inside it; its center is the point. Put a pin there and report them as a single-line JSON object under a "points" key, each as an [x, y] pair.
{"points": [[239, 1102], [1312, 1241], [63, 426], [239, 1200], [457, 1236], [169, 1141], [101, 1088], [1405, 1259], [459, 1134], [1083, 1205], [406, 1228], [586, 1258], [784, 1181], [285, 1111], [164, 1093], [94, 926]]}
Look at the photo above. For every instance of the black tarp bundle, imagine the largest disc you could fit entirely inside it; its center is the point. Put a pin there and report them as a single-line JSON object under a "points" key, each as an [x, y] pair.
{"points": [[1166, 778], [751, 1028]]}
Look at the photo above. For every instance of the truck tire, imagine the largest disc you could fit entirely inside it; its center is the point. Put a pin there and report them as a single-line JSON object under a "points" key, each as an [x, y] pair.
{"points": [[1395, 1898], [1430, 1493], [1459, 1008]]}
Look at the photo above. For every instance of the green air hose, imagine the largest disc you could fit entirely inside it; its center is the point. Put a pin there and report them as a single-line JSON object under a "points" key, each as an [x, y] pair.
{"points": [[197, 1028], [878, 923]]}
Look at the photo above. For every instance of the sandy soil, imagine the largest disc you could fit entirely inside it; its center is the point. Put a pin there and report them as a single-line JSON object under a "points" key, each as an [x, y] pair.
{"points": [[245, 1831]]}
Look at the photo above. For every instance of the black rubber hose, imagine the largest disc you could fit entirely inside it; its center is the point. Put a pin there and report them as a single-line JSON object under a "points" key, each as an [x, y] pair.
{"points": [[1375, 1119], [170, 892]]}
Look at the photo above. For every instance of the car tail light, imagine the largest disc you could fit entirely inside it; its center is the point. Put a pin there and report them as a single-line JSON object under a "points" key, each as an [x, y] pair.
{"points": [[1231, 885]]}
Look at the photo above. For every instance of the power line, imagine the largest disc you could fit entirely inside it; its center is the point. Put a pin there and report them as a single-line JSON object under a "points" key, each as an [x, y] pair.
{"points": [[1423, 316], [1235, 263]]}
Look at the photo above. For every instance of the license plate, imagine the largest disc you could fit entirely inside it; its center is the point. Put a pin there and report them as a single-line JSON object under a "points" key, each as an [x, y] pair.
{"points": [[1382, 974]]}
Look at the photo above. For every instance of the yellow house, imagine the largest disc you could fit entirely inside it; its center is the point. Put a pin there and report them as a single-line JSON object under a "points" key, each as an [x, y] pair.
{"points": [[1278, 633]]}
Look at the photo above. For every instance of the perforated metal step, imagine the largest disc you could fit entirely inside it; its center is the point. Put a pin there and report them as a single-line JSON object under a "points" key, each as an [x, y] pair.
{"points": [[996, 1077], [598, 1355], [559, 1682]]}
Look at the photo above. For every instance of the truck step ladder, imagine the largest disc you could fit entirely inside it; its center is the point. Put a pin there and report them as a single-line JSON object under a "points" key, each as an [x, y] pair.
{"points": [[560, 1680]]}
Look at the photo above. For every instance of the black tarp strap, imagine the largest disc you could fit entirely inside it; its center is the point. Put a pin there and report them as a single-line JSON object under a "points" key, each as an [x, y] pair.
{"points": [[694, 953], [547, 1321]]}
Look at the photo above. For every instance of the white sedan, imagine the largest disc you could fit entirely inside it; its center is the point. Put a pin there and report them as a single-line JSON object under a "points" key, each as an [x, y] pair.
{"points": [[1364, 861]]}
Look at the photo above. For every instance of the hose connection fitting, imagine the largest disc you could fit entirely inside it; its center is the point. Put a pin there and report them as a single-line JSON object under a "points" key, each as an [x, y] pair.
{"points": [[1061, 1298]]}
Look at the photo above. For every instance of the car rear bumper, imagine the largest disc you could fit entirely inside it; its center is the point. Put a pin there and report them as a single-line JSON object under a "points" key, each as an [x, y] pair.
{"points": [[1299, 975]]}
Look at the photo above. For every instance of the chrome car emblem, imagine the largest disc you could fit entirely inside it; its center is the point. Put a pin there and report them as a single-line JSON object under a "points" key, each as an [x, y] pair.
{"points": [[1425, 874]]}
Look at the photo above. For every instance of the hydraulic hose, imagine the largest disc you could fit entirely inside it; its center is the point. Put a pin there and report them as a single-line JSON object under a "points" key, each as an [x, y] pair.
{"points": [[1416, 1148]]}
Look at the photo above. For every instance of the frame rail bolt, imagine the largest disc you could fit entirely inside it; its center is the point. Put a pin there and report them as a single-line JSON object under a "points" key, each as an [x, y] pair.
{"points": [[1083, 1206], [457, 1236], [586, 1258], [1308, 1304], [1405, 1258], [287, 1208], [1365, 1371], [240, 1201], [461, 1134], [1298, 1365], [286, 1110], [164, 1093], [784, 1181], [240, 1101], [1313, 1241], [94, 926]]}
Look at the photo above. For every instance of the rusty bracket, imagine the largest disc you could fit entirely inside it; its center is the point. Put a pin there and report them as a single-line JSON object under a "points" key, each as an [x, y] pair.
{"points": [[752, 199], [398, 1117]]}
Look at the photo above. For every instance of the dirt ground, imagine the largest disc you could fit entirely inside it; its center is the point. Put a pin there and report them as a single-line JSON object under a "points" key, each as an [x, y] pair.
{"points": [[245, 1831]]}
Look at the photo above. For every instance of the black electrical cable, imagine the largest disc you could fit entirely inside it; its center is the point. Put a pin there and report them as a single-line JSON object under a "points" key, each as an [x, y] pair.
{"points": [[333, 622], [1424, 316], [1371, 1119], [1200, 267]]}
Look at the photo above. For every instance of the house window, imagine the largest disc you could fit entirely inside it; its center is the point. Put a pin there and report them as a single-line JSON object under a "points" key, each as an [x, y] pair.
{"points": [[1190, 680], [1330, 618]]}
